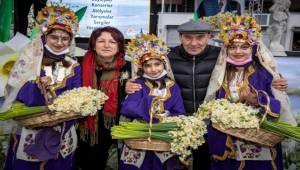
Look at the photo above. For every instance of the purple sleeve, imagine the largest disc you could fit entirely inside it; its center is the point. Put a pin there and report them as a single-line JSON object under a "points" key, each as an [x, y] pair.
{"points": [[178, 107], [137, 105], [31, 95], [76, 80], [266, 100]]}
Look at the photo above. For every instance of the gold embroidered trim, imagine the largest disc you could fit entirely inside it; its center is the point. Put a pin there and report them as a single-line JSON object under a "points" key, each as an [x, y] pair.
{"points": [[242, 165], [228, 153], [159, 100], [267, 106], [250, 70], [63, 83], [274, 154]]}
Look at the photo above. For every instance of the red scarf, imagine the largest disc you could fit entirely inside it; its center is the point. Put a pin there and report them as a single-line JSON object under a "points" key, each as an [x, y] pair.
{"points": [[108, 86]]}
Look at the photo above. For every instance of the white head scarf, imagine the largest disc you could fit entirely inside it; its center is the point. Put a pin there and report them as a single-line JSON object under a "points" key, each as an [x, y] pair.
{"points": [[27, 68], [268, 62], [135, 68]]}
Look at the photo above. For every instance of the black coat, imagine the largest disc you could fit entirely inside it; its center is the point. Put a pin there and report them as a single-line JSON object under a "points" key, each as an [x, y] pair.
{"points": [[192, 73]]}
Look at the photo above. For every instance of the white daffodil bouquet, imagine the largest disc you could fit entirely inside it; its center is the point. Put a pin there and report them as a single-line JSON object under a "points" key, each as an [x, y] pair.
{"points": [[229, 115], [83, 100], [182, 132], [238, 115]]}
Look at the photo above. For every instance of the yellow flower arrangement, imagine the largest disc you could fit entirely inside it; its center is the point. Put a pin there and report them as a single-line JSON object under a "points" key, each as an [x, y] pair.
{"points": [[243, 28], [146, 46]]}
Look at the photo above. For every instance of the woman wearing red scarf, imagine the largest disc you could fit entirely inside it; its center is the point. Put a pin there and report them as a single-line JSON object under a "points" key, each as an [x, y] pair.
{"points": [[104, 68]]}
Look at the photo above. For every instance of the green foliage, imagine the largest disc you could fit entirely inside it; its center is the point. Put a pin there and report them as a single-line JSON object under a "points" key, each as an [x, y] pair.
{"points": [[298, 118], [34, 32], [6, 7], [19, 109], [292, 160], [4, 139]]}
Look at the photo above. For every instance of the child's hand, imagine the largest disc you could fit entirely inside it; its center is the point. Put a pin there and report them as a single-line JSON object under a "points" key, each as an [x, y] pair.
{"points": [[248, 95], [46, 80], [132, 87]]}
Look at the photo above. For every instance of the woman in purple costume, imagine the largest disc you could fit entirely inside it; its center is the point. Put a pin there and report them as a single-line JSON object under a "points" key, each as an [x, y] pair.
{"points": [[160, 96], [43, 71], [244, 73]]}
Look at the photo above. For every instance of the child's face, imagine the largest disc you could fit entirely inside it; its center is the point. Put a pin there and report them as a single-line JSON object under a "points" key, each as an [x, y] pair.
{"points": [[153, 68], [58, 40], [240, 51]]}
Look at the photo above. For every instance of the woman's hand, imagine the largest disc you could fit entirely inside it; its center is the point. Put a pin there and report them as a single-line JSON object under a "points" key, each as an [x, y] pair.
{"points": [[280, 84], [132, 87], [249, 96], [45, 81]]}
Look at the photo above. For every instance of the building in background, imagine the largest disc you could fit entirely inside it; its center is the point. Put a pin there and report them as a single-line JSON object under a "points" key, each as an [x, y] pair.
{"points": [[171, 13]]}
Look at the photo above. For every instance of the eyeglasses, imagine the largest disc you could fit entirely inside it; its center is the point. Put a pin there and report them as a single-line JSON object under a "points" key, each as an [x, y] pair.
{"points": [[57, 38]]}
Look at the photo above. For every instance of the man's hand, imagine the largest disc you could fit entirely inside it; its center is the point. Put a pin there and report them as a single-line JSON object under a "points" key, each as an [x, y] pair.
{"points": [[132, 87], [280, 84]]}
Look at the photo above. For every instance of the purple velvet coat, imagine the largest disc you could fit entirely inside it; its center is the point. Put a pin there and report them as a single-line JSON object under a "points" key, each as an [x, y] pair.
{"points": [[31, 95], [137, 105], [221, 145]]}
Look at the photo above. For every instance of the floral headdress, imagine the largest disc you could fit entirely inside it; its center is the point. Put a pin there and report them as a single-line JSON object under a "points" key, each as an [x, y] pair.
{"points": [[57, 17], [240, 29], [146, 46]]}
